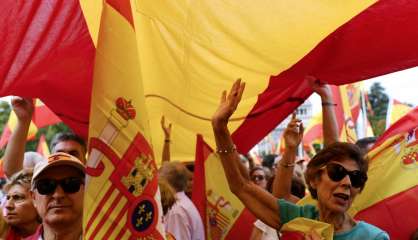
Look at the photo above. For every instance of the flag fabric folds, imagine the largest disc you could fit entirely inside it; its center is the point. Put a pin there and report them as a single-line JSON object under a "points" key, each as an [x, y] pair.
{"points": [[191, 50], [224, 216], [188, 52], [122, 200], [47, 53], [389, 199]]}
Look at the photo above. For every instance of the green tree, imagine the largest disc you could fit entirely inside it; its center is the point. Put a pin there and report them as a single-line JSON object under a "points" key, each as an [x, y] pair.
{"points": [[4, 114], [379, 102], [49, 133], [4, 117]]}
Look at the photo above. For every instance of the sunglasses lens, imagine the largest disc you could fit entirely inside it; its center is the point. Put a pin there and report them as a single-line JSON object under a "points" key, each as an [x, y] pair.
{"points": [[357, 179], [71, 185], [46, 186], [336, 172]]}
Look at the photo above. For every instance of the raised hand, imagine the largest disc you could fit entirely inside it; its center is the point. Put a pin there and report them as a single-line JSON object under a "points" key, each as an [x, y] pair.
{"points": [[321, 88], [23, 108], [229, 103], [166, 129], [293, 133]]}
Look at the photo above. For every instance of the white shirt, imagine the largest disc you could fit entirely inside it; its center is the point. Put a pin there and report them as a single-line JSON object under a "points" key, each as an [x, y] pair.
{"points": [[183, 220]]}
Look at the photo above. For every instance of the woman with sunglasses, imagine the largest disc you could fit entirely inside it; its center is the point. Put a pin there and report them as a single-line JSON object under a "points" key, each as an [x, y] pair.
{"points": [[18, 210], [335, 176], [260, 176]]}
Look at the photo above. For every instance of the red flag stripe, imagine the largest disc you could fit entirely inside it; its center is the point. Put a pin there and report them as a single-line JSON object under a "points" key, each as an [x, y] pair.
{"points": [[42, 26], [361, 48], [387, 214], [124, 8], [121, 233], [43, 116], [102, 202], [105, 217], [406, 123], [245, 222], [199, 184], [116, 222]]}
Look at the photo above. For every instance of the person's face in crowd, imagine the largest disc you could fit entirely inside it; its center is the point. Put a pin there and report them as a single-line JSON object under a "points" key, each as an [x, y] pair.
{"points": [[336, 196], [71, 147], [60, 206], [18, 208], [259, 178], [299, 169]]}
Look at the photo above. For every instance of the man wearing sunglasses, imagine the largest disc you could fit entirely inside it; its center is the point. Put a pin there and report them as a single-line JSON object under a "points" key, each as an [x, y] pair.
{"points": [[57, 193]]}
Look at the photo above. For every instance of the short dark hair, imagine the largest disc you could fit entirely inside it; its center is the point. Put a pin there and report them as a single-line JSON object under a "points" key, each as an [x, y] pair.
{"points": [[67, 136], [176, 175], [334, 152]]}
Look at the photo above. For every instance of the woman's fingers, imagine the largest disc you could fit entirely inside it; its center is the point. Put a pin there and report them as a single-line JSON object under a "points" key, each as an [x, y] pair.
{"points": [[233, 92], [301, 129], [223, 96], [241, 91]]}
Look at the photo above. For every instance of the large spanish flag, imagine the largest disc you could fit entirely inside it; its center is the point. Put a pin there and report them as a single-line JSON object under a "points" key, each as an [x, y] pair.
{"points": [[191, 50], [122, 200]]}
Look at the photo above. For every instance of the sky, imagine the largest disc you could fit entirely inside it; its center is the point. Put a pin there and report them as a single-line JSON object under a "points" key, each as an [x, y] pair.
{"points": [[402, 86]]}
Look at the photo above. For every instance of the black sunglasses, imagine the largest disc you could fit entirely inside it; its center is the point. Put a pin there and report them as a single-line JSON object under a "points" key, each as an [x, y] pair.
{"points": [[47, 186], [337, 172]]}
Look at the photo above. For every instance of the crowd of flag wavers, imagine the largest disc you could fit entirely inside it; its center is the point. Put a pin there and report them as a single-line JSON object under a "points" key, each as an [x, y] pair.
{"points": [[43, 198]]}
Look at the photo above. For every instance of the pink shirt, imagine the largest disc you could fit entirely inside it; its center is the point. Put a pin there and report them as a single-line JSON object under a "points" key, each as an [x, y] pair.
{"points": [[183, 220]]}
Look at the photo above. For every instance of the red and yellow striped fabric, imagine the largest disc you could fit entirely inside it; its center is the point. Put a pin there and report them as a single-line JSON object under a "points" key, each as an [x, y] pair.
{"points": [[347, 109], [223, 215], [189, 51], [122, 200], [395, 111], [389, 199]]}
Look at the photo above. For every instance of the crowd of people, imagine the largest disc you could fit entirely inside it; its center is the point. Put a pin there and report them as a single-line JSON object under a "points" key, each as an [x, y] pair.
{"points": [[44, 197]]}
